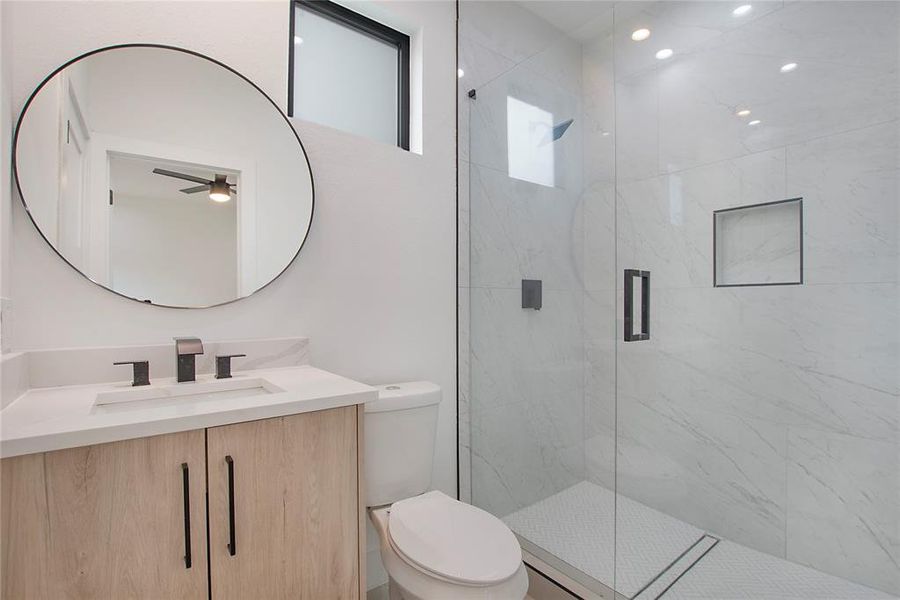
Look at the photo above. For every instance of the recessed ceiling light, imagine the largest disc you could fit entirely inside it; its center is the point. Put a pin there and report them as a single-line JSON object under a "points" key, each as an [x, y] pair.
{"points": [[664, 53], [743, 112], [460, 73], [639, 35], [742, 10], [605, 134], [298, 40], [754, 122], [788, 67]]}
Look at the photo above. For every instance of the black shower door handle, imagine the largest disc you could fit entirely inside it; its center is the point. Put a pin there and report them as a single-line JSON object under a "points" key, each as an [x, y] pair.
{"points": [[630, 335]]}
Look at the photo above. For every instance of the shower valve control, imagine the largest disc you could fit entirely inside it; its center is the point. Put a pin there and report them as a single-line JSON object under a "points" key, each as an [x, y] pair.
{"points": [[531, 294]]}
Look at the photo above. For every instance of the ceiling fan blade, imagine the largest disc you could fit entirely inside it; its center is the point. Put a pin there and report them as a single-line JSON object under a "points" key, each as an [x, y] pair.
{"points": [[182, 176], [194, 190]]}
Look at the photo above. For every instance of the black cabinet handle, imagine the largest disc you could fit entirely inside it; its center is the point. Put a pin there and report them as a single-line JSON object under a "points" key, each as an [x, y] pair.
{"points": [[630, 335], [232, 548], [186, 486]]}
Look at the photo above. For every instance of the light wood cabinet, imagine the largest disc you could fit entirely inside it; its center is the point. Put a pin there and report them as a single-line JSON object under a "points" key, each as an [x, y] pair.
{"points": [[108, 521], [292, 485]]}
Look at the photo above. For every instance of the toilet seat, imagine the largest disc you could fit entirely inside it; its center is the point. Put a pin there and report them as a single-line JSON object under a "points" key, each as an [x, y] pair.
{"points": [[453, 541]]}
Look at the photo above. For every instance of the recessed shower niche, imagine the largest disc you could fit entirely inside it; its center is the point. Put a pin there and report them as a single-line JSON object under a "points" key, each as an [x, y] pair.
{"points": [[759, 244]]}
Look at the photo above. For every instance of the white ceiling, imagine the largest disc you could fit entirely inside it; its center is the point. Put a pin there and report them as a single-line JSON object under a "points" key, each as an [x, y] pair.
{"points": [[130, 176]]}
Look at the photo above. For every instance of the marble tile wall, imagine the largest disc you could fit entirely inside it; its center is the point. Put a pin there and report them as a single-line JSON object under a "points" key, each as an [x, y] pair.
{"points": [[767, 415], [523, 430]]}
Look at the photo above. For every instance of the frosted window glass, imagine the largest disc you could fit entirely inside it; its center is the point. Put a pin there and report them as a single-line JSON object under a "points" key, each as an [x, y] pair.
{"points": [[529, 131], [344, 78]]}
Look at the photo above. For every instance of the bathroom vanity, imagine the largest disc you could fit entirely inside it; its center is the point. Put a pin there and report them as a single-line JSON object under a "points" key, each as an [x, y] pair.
{"points": [[236, 488], [173, 485]]}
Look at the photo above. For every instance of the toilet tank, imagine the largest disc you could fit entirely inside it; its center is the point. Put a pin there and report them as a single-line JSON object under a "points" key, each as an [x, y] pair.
{"points": [[400, 429]]}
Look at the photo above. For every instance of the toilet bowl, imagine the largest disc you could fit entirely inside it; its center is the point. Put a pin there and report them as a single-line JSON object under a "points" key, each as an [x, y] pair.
{"points": [[433, 547]]}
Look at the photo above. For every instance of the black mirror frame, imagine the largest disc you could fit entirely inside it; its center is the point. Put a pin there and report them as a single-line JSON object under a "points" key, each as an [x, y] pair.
{"points": [[15, 170]]}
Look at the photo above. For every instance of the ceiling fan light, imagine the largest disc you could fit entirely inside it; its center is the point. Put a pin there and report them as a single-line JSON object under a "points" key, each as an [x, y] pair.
{"points": [[219, 192]]}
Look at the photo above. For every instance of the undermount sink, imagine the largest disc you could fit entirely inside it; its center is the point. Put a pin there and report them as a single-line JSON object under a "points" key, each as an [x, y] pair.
{"points": [[179, 393]]}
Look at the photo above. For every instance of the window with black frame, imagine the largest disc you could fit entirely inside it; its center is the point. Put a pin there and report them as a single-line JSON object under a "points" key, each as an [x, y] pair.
{"points": [[349, 72]]}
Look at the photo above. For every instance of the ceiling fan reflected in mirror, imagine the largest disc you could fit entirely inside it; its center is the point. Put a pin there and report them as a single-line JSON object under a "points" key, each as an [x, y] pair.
{"points": [[219, 189]]}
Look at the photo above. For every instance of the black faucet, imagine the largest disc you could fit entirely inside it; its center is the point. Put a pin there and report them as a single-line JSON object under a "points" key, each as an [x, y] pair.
{"points": [[186, 349]]}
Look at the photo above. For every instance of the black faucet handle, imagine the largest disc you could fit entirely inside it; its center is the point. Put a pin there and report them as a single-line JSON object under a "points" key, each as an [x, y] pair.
{"points": [[141, 372], [223, 365]]}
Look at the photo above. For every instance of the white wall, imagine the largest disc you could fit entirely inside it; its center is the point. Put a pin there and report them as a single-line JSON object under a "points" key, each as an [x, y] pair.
{"points": [[173, 252], [374, 286], [5, 189], [42, 147]]}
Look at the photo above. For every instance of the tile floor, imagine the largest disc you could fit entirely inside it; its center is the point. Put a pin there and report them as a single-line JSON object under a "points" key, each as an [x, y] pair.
{"points": [[577, 526]]}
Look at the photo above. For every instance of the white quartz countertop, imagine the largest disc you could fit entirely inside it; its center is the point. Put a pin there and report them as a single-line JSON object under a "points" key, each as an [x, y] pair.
{"points": [[45, 419]]}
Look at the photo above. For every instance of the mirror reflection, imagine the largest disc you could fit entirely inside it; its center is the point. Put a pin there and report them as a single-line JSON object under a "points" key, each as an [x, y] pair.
{"points": [[163, 176]]}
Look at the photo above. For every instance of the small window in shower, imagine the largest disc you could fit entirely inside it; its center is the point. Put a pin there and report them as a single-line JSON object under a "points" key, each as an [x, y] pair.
{"points": [[760, 244], [530, 137]]}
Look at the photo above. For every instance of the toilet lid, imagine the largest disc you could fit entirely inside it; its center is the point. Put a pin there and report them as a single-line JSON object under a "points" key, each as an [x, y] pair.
{"points": [[454, 540]]}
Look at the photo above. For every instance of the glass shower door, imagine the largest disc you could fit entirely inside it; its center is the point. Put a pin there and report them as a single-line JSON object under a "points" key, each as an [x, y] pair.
{"points": [[527, 390], [679, 308], [757, 184]]}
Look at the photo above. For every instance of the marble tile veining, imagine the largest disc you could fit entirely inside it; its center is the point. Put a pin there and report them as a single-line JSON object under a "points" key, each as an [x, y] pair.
{"points": [[520, 230], [527, 390], [843, 494], [506, 27], [849, 185], [769, 416], [721, 473]]}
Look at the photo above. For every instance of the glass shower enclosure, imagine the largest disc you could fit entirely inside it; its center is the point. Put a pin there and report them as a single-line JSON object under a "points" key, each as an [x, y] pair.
{"points": [[678, 292]]}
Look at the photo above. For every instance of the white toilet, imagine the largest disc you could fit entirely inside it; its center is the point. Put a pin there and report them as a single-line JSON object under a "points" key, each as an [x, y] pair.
{"points": [[432, 546]]}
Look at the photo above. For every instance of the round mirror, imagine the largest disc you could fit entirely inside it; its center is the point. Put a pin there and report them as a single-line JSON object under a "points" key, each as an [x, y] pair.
{"points": [[163, 175]]}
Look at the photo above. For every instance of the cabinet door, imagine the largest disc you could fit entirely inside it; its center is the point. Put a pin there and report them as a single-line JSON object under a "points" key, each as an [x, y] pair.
{"points": [[106, 521], [292, 484]]}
